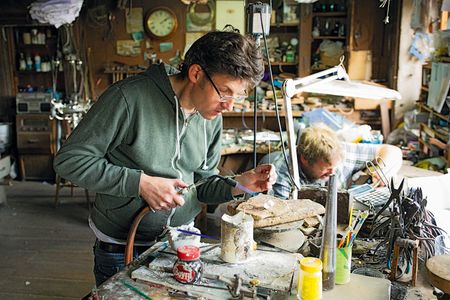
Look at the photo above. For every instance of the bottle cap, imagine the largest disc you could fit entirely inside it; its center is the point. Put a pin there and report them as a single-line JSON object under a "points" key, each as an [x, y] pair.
{"points": [[311, 264], [188, 253]]}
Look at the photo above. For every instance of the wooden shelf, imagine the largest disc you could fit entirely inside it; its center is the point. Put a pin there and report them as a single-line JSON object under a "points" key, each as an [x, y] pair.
{"points": [[46, 49], [284, 25], [437, 138], [123, 71], [330, 37], [32, 72], [425, 107], [421, 141], [266, 119], [267, 113], [334, 14], [46, 45], [282, 64], [433, 133]]}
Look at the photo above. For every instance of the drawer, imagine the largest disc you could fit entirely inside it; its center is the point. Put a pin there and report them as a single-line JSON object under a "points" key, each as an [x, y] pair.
{"points": [[34, 142], [34, 123]]}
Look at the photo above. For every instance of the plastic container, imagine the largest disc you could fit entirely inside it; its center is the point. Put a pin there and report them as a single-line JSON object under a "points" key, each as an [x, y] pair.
{"points": [[343, 264], [37, 62], [310, 279], [188, 268]]}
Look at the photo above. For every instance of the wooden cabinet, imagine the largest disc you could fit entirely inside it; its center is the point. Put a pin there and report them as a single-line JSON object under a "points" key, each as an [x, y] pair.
{"points": [[284, 38], [36, 146], [433, 139], [321, 21], [434, 134], [294, 42], [35, 59], [284, 48], [360, 26], [38, 78]]}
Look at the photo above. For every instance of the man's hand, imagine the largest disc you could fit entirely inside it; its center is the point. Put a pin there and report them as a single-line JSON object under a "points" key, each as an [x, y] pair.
{"points": [[161, 193], [259, 179]]}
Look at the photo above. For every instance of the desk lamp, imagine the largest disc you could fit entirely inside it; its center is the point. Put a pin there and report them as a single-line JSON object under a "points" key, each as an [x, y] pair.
{"points": [[295, 86], [330, 85]]}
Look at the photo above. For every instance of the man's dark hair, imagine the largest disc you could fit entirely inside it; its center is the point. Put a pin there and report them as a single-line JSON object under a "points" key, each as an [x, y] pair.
{"points": [[227, 53]]}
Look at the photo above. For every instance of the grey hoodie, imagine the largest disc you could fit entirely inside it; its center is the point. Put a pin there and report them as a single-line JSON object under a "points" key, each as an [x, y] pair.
{"points": [[132, 128]]}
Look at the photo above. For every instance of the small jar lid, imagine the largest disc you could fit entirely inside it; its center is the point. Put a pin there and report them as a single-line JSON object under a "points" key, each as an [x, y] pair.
{"points": [[188, 253], [311, 264]]}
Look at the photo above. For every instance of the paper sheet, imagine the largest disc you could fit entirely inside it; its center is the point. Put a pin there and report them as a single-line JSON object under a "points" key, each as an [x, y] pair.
{"points": [[437, 190], [439, 85]]}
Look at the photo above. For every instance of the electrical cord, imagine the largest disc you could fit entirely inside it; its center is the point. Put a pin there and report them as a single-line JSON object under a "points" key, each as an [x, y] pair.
{"points": [[277, 114], [255, 128]]}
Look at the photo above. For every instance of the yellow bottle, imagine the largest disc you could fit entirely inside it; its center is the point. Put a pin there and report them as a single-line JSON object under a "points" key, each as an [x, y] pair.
{"points": [[310, 279]]}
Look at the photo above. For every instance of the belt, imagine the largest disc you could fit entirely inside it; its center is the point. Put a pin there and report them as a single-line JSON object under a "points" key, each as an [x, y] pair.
{"points": [[117, 248]]}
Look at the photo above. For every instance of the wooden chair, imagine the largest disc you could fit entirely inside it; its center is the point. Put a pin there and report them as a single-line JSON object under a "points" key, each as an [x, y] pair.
{"points": [[60, 184]]}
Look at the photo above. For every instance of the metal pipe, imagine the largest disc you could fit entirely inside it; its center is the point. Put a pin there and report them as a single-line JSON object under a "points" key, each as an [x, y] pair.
{"points": [[328, 248]]}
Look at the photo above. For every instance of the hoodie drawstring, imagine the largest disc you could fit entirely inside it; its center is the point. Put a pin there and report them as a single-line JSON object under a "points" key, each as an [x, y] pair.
{"points": [[205, 149], [177, 146]]}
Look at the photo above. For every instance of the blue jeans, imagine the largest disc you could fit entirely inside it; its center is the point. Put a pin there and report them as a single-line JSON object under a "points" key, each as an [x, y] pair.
{"points": [[106, 264]]}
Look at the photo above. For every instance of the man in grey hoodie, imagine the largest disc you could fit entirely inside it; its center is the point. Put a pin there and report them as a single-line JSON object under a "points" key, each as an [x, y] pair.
{"points": [[154, 133]]}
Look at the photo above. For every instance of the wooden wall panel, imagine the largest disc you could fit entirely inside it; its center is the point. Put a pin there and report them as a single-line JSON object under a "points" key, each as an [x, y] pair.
{"points": [[7, 81], [373, 34], [101, 43]]}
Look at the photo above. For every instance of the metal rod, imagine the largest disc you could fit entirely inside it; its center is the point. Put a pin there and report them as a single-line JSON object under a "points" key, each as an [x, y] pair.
{"points": [[328, 247]]}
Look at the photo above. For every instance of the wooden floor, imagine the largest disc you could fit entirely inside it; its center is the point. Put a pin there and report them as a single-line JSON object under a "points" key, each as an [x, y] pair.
{"points": [[45, 252]]}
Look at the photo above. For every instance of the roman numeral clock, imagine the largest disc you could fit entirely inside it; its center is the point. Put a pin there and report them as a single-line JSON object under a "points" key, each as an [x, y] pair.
{"points": [[160, 23]]}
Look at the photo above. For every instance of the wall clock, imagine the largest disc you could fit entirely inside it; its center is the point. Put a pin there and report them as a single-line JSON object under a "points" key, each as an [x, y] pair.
{"points": [[160, 23]]}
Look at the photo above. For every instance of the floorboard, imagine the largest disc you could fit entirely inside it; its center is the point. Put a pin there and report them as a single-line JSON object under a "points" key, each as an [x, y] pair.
{"points": [[45, 251]]}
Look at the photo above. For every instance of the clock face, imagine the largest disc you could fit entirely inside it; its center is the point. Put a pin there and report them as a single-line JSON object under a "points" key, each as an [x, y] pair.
{"points": [[161, 22]]}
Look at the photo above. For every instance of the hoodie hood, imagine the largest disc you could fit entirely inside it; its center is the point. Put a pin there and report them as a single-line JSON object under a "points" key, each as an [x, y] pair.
{"points": [[159, 74]]}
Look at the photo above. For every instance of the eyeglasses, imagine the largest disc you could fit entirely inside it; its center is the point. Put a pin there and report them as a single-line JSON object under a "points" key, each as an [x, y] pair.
{"points": [[226, 98]]}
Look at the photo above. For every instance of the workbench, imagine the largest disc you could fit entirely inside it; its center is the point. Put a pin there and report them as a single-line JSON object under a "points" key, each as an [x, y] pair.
{"points": [[121, 286]]}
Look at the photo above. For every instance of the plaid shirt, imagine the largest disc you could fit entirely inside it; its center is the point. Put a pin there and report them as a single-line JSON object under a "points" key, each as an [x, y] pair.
{"points": [[355, 157]]}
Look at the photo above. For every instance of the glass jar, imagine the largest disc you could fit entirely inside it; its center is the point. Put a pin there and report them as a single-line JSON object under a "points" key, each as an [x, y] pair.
{"points": [[310, 279], [188, 268]]}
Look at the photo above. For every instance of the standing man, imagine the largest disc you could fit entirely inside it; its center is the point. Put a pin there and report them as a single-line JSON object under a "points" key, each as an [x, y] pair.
{"points": [[152, 134], [320, 153]]}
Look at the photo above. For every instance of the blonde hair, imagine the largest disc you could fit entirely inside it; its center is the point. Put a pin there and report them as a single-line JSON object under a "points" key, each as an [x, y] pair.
{"points": [[319, 142]]}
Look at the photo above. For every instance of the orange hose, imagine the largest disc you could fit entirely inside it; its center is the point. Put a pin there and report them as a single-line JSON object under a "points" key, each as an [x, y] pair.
{"points": [[132, 233]]}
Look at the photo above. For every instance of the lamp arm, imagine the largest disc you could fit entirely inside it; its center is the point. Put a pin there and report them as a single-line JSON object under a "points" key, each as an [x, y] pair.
{"points": [[292, 145], [295, 86]]}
